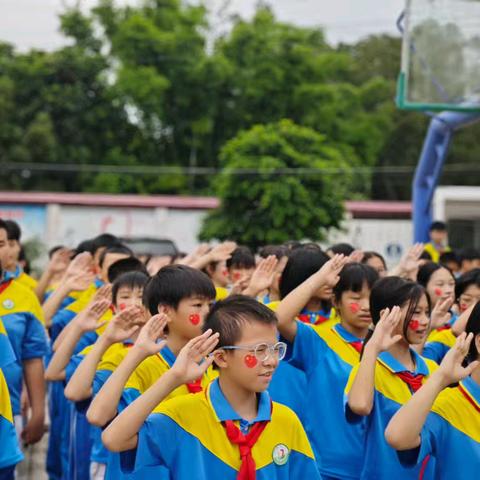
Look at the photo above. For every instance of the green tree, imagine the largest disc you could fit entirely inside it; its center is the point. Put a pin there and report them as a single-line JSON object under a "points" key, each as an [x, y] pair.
{"points": [[263, 200]]}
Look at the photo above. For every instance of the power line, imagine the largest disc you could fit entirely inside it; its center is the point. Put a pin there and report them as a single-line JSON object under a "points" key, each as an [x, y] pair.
{"points": [[26, 169]]}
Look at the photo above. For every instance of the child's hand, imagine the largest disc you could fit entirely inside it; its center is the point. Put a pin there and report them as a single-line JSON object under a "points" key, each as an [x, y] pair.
{"points": [[59, 261], [123, 325], [409, 262], [329, 274], [240, 285], [383, 337], [451, 369], [103, 293], [221, 252], [147, 340], [194, 358], [356, 256], [263, 276], [81, 263], [87, 319], [80, 281], [441, 313]]}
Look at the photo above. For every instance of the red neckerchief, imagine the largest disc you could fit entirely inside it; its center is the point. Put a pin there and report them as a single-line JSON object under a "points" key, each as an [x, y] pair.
{"points": [[245, 444], [357, 345], [469, 398], [413, 381], [196, 386], [306, 318], [5, 285]]}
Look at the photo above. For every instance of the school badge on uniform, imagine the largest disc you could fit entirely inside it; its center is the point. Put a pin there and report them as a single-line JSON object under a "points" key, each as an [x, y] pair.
{"points": [[280, 454], [8, 304]]}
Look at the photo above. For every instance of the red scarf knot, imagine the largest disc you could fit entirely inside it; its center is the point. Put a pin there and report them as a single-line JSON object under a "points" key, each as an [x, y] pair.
{"points": [[357, 345], [413, 381], [245, 444], [196, 386]]}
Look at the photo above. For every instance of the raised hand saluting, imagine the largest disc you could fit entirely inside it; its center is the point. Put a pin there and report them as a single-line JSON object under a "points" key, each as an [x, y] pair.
{"points": [[149, 336], [451, 369], [194, 358], [383, 337]]}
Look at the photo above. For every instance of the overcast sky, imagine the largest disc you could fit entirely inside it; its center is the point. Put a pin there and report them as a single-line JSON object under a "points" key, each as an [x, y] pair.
{"points": [[34, 23]]}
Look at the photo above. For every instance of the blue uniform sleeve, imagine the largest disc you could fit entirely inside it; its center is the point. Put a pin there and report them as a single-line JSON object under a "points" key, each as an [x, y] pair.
{"points": [[156, 445], [307, 349], [101, 376], [35, 341], [59, 321], [72, 366], [431, 437], [435, 351]]}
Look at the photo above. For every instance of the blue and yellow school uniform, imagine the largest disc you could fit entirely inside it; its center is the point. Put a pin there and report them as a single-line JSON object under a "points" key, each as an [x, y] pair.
{"points": [[435, 251], [10, 453], [391, 392], [72, 296], [438, 344], [22, 317], [186, 436], [144, 376], [63, 317], [327, 356], [451, 433], [21, 277]]}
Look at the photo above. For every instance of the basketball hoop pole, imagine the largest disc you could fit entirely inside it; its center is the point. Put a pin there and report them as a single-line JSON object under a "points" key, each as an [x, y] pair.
{"points": [[434, 151]]}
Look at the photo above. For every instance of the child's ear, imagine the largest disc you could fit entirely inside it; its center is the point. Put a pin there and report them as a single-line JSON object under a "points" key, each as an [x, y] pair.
{"points": [[165, 309], [220, 358]]}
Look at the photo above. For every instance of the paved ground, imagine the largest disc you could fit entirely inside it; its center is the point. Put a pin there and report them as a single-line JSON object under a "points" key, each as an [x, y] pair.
{"points": [[33, 467]]}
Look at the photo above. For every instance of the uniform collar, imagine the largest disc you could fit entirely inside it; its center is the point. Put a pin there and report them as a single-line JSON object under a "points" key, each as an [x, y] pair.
{"points": [[12, 275], [396, 367], [472, 387], [345, 334], [168, 356], [224, 410]]}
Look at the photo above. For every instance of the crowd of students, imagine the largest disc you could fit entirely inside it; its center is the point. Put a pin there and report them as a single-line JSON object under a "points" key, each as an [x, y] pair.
{"points": [[221, 364]]}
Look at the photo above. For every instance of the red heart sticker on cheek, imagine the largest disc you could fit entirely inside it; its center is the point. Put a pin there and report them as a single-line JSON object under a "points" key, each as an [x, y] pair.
{"points": [[194, 318], [225, 273], [438, 292], [122, 306], [354, 307], [237, 275], [250, 361], [463, 307], [413, 325]]}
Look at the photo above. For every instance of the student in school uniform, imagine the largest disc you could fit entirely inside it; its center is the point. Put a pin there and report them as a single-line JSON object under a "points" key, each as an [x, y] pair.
{"points": [[231, 431], [390, 371], [12, 267], [184, 295], [22, 317], [443, 418], [100, 360], [10, 453], [289, 384], [327, 356]]}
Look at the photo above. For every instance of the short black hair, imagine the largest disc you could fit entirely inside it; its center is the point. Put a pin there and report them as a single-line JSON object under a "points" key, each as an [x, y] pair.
{"points": [[438, 226], [292, 244], [22, 257], [172, 283], [371, 254], [104, 240], [473, 326], [426, 271], [115, 249], [469, 254], [449, 257], [464, 281], [14, 232], [343, 248], [353, 277], [54, 250], [302, 264], [120, 267], [227, 317], [84, 246], [242, 257], [3, 226], [131, 280], [278, 250]]}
